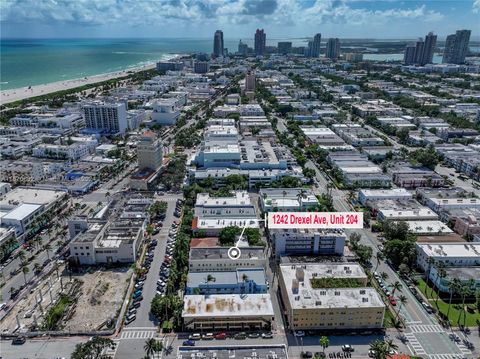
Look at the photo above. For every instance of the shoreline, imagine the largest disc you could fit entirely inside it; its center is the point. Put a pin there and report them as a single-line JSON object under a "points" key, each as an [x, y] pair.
{"points": [[23, 93]]}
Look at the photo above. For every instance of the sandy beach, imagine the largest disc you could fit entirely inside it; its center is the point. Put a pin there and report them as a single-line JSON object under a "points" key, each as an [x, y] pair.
{"points": [[37, 90]]}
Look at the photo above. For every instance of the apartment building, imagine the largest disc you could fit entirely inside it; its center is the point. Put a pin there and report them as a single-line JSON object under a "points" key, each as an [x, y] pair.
{"points": [[309, 242], [108, 117], [149, 151], [286, 199], [310, 308], [212, 214], [229, 312], [451, 254]]}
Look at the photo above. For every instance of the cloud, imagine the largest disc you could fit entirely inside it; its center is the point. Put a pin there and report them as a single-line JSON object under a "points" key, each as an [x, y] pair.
{"points": [[219, 12], [476, 6]]}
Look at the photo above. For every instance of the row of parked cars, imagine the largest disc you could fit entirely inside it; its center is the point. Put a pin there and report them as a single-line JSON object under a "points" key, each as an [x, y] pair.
{"points": [[137, 296], [167, 260], [385, 289], [192, 338], [178, 208]]}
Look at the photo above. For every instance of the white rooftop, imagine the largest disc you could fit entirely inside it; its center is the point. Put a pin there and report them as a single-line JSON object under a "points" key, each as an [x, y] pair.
{"points": [[428, 227], [31, 195], [402, 192], [241, 198], [230, 305], [301, 295], [21, 212], [457, 250]]}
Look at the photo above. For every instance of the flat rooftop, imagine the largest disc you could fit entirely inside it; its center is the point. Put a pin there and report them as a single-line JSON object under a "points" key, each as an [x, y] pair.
{"points": [[221, 253], [31, 196], [227, 305], [329, 270], [240, 198], [401, 192], [428, 227], [301, 295], [21, 212], [257, 275], [444, 250]]}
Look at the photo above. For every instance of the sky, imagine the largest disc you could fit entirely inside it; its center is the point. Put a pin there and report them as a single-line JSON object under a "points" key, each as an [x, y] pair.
{"points": [[387, 19]]}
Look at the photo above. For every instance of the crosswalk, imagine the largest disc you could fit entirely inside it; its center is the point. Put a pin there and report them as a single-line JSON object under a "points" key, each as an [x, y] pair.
{"points": [[138, 333], [426, 328], [464, 349], [446, 356], [415, 344]]}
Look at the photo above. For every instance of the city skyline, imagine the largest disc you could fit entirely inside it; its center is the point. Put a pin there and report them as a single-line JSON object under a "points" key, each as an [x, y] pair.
{"points": [[199, 19]]}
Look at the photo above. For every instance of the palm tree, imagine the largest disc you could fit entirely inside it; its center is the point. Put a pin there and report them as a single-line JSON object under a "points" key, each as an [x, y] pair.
{"points": [[48, 248], [38, 241], [25, 271], [390, 345], [402, 300], [37, 268], [379, 349], [22, 255], [396, 286], [150, 346], [324, 343], [158, 347], [384, 275], [441, 273], [464, 291], [454, 287], [379, 257], [430, 262]]}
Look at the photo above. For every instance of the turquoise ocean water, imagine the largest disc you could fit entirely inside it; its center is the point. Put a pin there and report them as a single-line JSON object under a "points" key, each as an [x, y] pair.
{"points": [[33, 62]]}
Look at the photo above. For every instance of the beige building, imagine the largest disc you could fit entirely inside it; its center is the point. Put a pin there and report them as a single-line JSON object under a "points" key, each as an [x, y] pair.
{"points": [[307, 307], [227, 312], [149, 151]]}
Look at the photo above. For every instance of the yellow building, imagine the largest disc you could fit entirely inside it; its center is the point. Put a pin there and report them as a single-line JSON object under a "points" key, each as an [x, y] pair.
{"points": [[308, 307]]}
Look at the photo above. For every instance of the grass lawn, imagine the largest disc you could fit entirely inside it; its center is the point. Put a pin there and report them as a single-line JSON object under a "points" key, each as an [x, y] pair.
{"points": [[389, 318], [443, 307]]}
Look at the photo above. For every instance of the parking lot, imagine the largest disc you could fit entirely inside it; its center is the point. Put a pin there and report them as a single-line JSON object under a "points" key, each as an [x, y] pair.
{"points": [[156, 266], [232, 352]]}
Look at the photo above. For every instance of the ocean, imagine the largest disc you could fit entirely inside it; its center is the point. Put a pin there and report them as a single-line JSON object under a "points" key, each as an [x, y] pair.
{"points": [[30, 62]]}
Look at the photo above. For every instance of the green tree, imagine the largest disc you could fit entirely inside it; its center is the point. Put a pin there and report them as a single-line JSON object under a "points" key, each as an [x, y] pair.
{"points": [[25, 271], [47, 247], [150, 346], [92, 349], [324, 343], [396, 286], [227, 235], [453, 287]]}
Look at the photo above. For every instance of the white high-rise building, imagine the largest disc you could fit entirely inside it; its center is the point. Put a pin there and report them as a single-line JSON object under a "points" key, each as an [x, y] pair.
{"points": [[111, 117], [149, 151]]}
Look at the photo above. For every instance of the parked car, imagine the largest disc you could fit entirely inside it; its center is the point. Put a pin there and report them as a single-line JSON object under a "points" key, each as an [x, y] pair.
{"points": [[188, 343], [207, 336], [307, 355], [19, 340], [195, 336], [347, 348], [268, 335], [254, 335], [299, 333], [221, 336], [130, 318], [241, 335]]}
